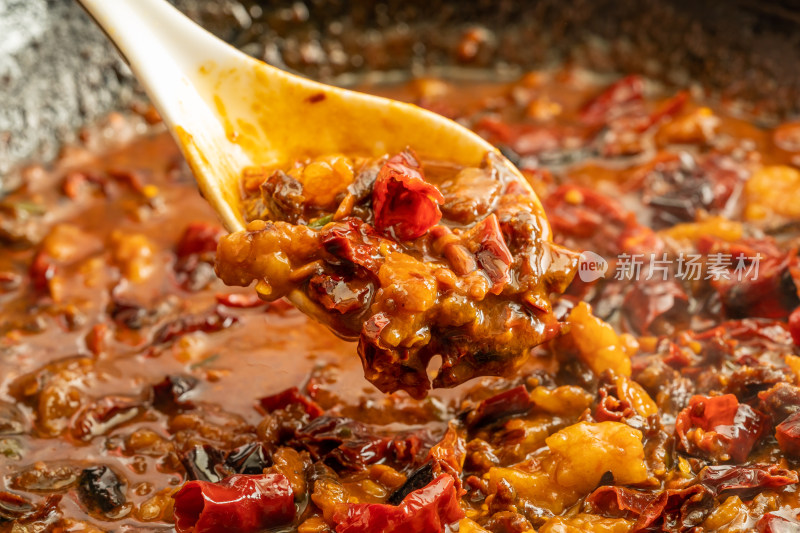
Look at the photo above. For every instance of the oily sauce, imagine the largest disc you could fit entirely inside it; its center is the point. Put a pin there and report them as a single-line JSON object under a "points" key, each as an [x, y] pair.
{"points": [[107, 290]]}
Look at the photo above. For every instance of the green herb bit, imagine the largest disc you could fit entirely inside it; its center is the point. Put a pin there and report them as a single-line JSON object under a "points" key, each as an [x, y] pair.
{"points": [[205, 362], [320, 222], [30, 207]]}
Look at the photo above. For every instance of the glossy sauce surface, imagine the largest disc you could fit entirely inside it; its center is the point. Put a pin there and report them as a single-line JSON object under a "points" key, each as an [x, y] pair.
{"points": [[107, 287]]}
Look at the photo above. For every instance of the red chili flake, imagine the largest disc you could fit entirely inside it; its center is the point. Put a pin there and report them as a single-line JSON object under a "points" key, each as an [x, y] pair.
{"points": [[447, 456], [237, 504], [405, 205], [73, 184], [316, 98], [373, 327], [426, 510], [96, 339], [239, 300], [605, 106], [42, 270], [729, 429], [355, 241], [611, 408], [288, 397], [491, 252]]}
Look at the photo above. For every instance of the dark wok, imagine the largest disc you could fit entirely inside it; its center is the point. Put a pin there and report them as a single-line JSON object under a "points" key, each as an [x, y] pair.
{"points": [[57, 70]]}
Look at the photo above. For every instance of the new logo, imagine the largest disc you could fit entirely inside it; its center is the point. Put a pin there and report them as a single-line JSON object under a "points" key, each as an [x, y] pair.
{"points": [[592, 267]]}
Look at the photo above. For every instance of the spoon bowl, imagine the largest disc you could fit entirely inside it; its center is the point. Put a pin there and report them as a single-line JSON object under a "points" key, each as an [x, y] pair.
{"points": [[229, 111]]}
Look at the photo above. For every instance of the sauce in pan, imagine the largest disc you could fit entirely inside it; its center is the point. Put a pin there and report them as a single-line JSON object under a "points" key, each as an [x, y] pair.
{"points": [[130, 374]]}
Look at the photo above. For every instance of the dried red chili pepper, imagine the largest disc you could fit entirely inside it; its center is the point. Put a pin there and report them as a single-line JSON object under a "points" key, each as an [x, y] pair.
{"points": [[619, 501], [371, 332], [217, 320], [448, 455], [199, 238], [405, 205], [603, 107], [171, 395], [750, 478], [610, 408], [237, 504], [763, 287], [780, 401], [685, 507], [589, 220], [512, 401], [794, 325], [521, 139], [783, 521], [288, 397], [346, 444], [668, 109], [426, 510], [728, 429], [788, 435], [651, 306]]}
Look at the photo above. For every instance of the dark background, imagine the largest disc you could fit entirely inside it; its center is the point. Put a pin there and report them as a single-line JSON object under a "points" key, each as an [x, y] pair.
{"points": [[58, 71]]}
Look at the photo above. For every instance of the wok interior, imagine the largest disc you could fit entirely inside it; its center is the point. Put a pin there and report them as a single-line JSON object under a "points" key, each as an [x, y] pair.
{"points": [[57, 72]]}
